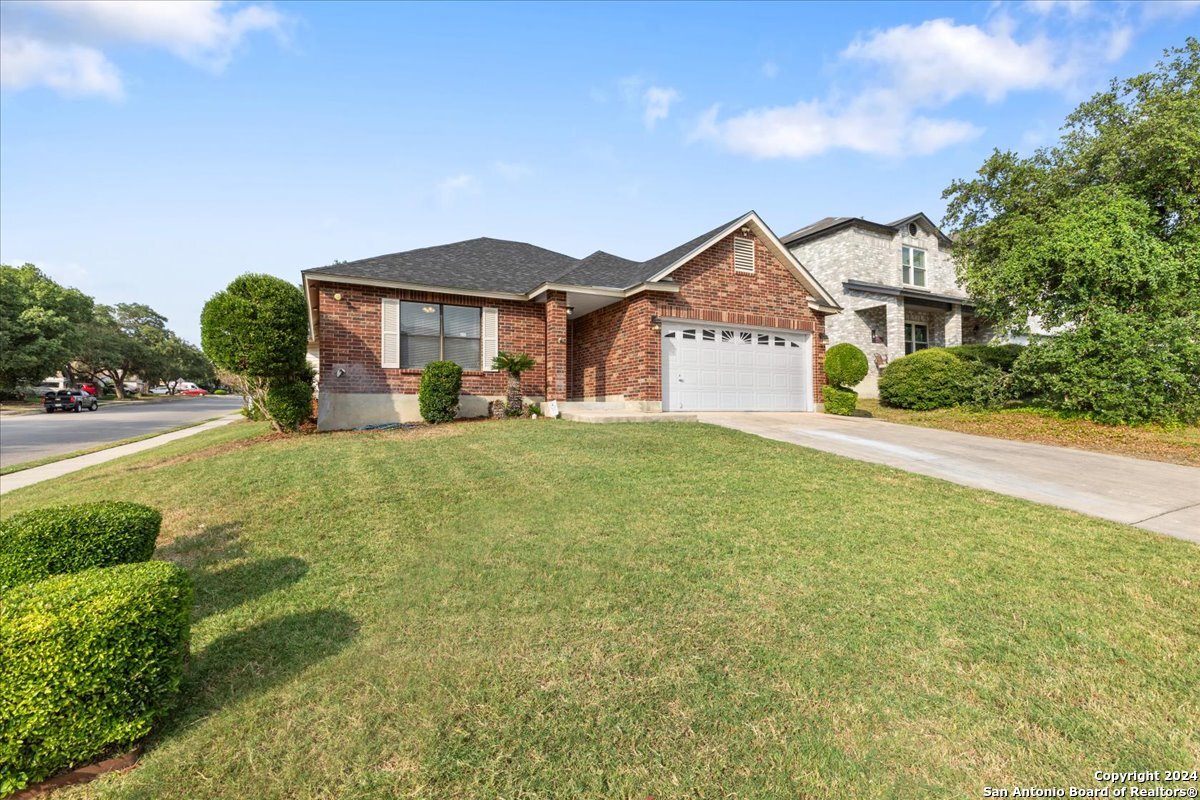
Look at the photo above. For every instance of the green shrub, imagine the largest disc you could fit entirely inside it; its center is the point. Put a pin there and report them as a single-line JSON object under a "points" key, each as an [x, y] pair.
{"points": [[438, 394], [290, 402], [91, 662], [1118, 369], [840, 401], [999, 356], [62, 539], [220, 391], [926, 379], [533, 409], [845, 365]]}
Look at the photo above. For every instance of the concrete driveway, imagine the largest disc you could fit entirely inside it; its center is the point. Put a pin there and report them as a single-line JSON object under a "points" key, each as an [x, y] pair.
{"points": [[1159, 497]]}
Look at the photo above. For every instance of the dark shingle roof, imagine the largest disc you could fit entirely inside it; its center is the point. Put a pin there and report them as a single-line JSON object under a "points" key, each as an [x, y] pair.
{"points": [[496, 265], [621, 273], [485, 265], [831, 224]]}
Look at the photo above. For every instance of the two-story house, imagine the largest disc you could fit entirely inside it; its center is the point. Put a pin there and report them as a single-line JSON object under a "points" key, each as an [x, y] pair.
{"points": [[895, 281]]}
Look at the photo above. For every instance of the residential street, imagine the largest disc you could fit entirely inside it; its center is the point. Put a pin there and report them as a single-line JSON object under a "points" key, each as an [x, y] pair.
{"points": [[29, 437]]}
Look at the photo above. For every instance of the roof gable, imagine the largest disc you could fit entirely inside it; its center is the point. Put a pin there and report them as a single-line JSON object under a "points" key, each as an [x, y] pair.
{"points": [[831, 225]]}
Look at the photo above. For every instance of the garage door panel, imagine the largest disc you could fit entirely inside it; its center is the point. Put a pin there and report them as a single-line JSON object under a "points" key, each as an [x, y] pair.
{"points": [[735, 369]]}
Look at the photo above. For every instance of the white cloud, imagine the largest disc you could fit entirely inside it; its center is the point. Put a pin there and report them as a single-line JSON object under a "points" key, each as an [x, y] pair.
{"points": [[61, 43], [70, 69], [512, 171], [656, 104], [875, 123], [953, 60], [1169, 9], [770, 69], [456, 186], [906, 75], [1074, 8]]}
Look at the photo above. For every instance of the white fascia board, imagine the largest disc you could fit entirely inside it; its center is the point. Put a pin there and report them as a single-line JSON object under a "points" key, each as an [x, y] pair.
{"points": [[647, 286], [781, 252]]}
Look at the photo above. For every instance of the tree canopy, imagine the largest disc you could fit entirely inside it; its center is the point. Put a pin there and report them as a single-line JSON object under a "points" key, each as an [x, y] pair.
{"points": [[41, 325], [1106, 219]]}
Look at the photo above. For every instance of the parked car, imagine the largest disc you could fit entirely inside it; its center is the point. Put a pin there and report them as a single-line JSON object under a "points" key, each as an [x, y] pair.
{"points": [[69, 400], [90, 388], [160, 390], [195, 391]]}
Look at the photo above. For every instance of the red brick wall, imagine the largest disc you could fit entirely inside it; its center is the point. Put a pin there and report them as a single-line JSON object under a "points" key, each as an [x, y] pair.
{"points": [[556, 346], [350, 338], [614, 351]]}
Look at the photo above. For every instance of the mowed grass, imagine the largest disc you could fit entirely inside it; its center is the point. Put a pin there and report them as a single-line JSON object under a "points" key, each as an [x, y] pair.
{"points": [[524, 609], [1177, 445]]}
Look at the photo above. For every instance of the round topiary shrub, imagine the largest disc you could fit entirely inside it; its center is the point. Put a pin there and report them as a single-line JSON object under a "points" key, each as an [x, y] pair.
{"points": [[441, 382], [91, 662], [928, 379], [60, 539], [840, 401], [845, 365]]}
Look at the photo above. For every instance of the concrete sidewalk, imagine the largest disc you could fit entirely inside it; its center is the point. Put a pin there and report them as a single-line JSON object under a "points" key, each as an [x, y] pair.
{"points": [[1159, 497], [28, 477]]}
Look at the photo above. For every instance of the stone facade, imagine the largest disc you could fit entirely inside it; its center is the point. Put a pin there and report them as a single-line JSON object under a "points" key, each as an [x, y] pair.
{"points": [[874, 321]]}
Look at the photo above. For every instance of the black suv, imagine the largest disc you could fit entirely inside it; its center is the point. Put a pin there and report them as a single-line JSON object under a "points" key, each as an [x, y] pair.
{"points": [[68, 400]]}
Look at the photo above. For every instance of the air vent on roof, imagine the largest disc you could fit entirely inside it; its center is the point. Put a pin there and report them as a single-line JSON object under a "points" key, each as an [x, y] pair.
{"points": [[912, 229], [743, 255]]}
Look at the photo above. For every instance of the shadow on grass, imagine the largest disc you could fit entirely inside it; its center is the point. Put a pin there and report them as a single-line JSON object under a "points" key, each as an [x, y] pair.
{"points": [[212, 544], [219, 590], [248, 662]]}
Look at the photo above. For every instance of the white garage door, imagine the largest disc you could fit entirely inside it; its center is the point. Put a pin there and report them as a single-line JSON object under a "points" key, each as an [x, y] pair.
{"points": [[716, 368]]}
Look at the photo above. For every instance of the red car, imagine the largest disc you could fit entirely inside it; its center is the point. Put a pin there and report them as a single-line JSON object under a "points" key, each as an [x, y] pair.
{"points": [[90, 388], [193, 392]]}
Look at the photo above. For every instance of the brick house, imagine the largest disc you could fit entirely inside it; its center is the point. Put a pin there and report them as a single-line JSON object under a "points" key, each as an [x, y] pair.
{"points": [[897, 285], [727, 321]]}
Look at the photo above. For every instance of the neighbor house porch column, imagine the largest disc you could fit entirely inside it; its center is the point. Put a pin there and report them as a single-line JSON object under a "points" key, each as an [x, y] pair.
{"points": [[954, 326], [895, 328], [556, 346]]}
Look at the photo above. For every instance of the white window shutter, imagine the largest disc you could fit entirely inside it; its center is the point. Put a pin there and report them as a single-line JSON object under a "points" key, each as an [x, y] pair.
{"points": [[389, 324], [491, 337]]}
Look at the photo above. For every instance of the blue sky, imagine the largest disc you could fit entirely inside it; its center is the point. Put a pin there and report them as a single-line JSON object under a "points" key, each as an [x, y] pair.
{"points": [[151, 152]]}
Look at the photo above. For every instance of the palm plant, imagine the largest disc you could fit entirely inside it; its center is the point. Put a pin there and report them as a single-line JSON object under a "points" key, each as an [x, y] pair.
{"points": [[514, 364]]}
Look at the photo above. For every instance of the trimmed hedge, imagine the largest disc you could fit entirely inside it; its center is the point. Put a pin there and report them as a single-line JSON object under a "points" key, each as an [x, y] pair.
{"points": [[840, 401], [845, 365], [441, 381], [91, 662], [999, 356], [290, 402], [927, 379], [61, 539]]}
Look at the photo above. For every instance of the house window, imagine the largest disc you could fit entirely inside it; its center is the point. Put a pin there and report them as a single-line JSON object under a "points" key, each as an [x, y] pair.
{"points": [[913, 261], [916, 337], [437, 332], [743, 255]]}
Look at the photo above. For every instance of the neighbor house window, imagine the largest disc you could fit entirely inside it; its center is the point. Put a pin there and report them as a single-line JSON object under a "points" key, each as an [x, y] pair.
{"points": [[916, 337], [437, 332], [914, 265]]}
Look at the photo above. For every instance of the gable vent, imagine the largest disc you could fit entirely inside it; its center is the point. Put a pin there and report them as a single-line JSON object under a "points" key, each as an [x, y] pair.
{"points": [[743, 255]]}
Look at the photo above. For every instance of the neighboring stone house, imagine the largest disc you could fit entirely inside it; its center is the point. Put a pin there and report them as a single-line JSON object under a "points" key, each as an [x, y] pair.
{"points": [[896, 283], [727, 321]]}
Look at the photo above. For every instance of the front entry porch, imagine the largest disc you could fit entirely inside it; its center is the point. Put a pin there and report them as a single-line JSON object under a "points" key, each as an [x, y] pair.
{"points": [[890, 326]]}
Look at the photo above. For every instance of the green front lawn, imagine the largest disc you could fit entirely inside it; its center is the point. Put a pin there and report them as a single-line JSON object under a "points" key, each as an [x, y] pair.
{"points": [[1178, 445], [538, 609]]}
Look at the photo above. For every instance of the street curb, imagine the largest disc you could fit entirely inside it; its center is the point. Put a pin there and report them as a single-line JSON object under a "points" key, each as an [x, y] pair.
{"points": [[28, 477]]}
